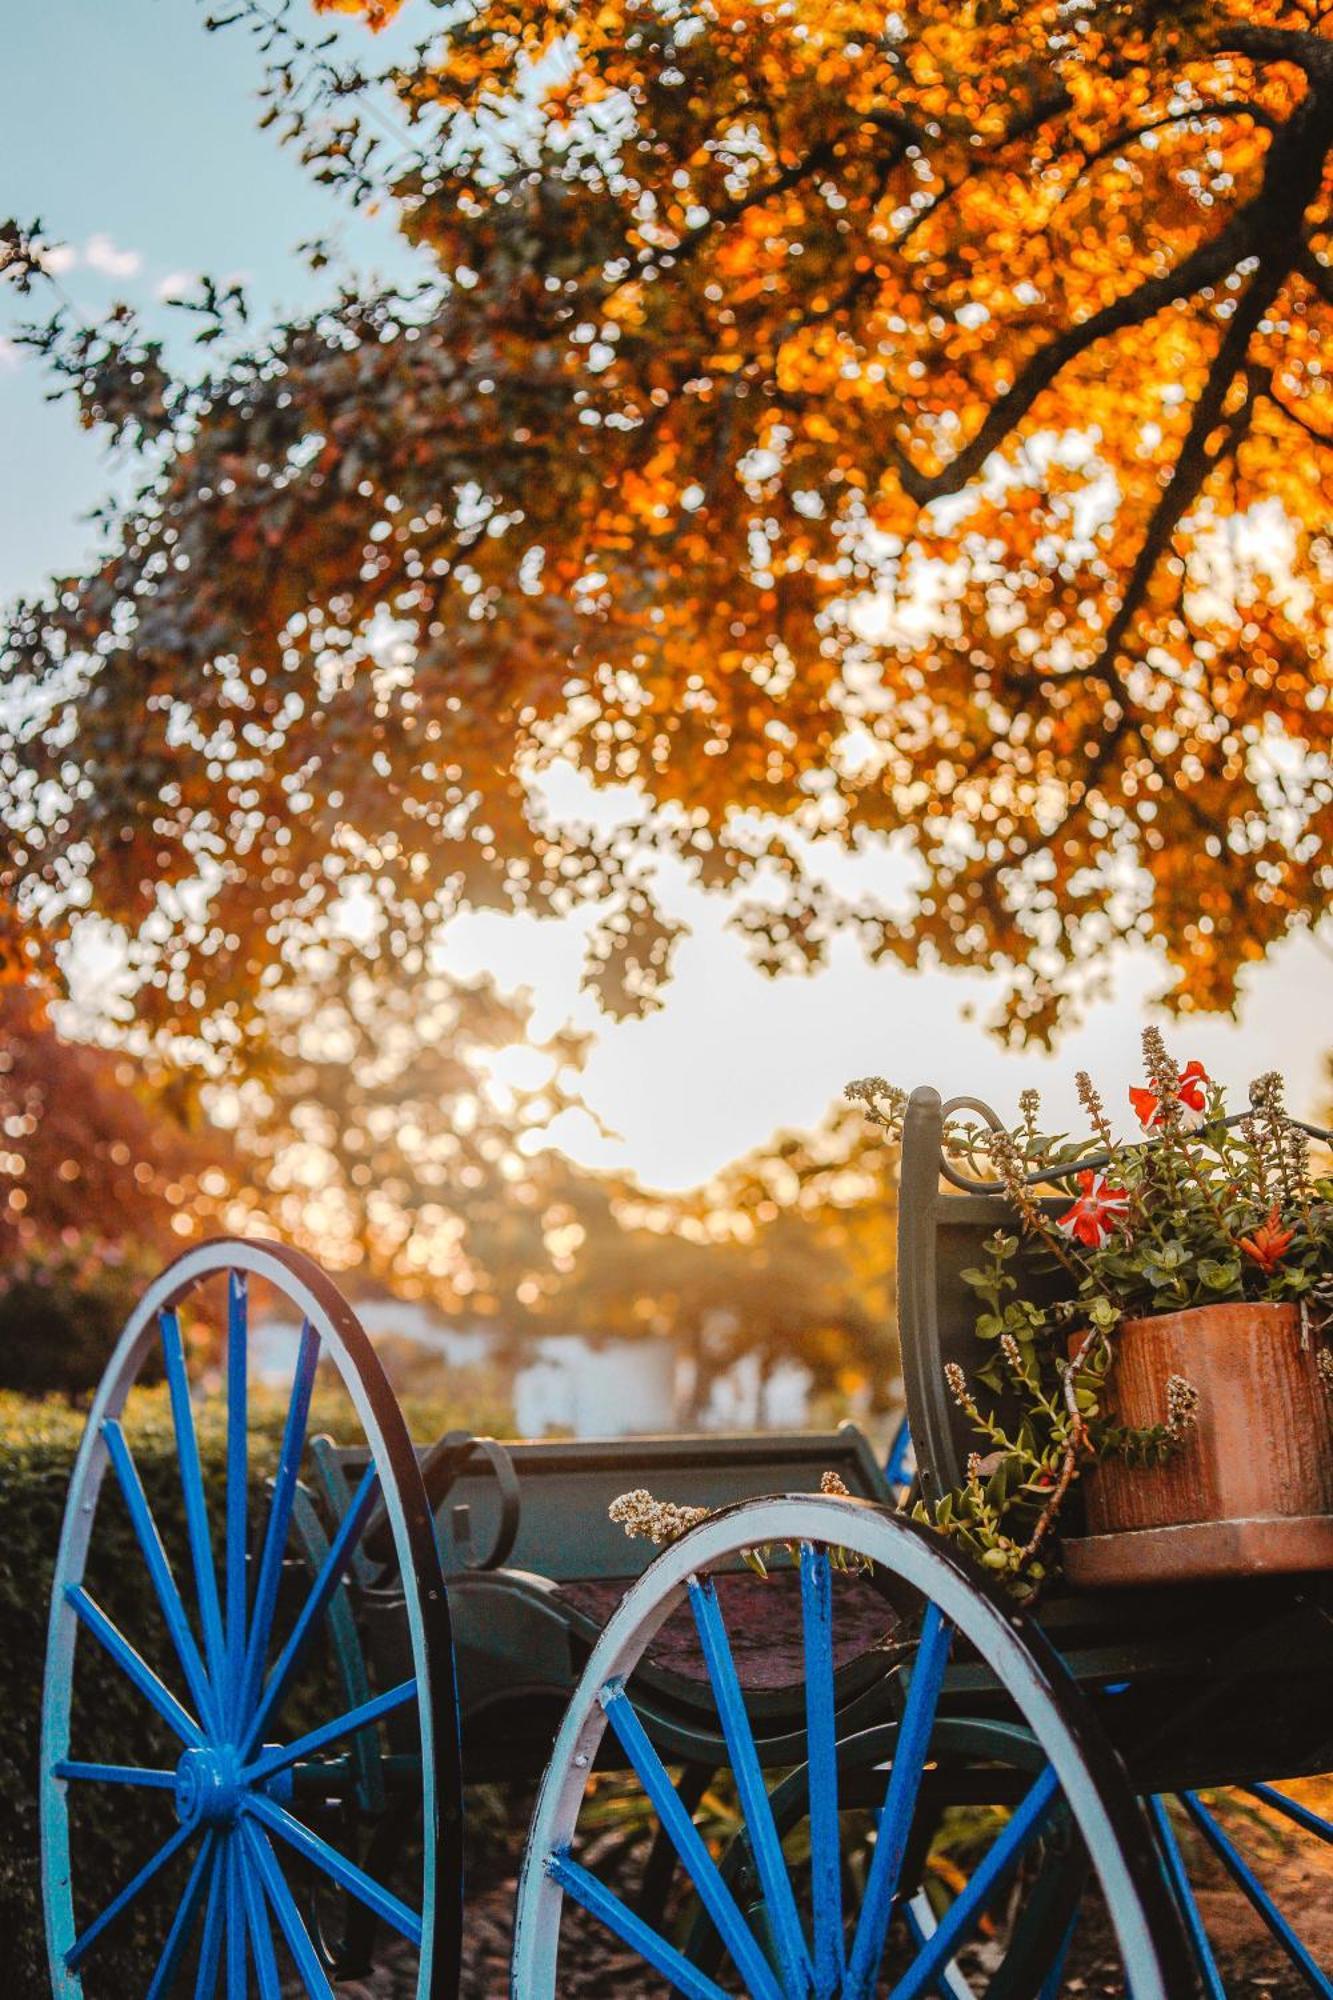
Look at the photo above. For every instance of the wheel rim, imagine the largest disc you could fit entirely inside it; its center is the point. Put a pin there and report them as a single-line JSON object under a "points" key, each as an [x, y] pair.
{"points": [[218, 1901], [827, 1959]]}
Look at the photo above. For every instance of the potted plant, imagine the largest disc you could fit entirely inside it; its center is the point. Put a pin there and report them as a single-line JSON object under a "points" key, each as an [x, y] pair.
{"points": [[1181, 1375]]}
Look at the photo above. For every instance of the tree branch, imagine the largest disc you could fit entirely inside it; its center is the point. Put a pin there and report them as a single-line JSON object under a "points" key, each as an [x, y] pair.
{"points": [[1310, 52], [1202, 267], [1195, 461], [1291, 178], [1191, 469], [1223, 109]]}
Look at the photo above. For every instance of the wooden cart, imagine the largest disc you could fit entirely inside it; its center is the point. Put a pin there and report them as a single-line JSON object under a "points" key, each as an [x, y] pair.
{"points": [[863, 1773]]}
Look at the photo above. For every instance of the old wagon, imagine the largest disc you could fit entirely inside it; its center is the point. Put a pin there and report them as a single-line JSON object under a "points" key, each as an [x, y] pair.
{"points": [[864, 1771]]}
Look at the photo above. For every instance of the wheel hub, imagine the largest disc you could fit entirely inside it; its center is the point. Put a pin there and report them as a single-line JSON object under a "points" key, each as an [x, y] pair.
{"points": [[208, 1788]]}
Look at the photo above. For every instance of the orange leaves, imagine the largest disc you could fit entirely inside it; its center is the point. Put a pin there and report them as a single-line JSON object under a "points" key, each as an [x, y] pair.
{"points": [[20, 953], [807, 423], [377, 13], [94, 1141]]}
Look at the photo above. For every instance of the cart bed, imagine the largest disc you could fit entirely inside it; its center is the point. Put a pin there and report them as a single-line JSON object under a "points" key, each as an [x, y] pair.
{"points": [[523, 1626]]}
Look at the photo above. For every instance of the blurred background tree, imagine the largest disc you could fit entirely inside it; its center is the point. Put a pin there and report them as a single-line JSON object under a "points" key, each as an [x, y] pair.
{"points": [[107, 1170], [787, 1255], [373, 1135]]}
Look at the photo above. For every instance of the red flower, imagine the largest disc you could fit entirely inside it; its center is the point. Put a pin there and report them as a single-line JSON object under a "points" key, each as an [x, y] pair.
{"points": [[1100, 1208], [1192, 1097], [1269, 1243]]}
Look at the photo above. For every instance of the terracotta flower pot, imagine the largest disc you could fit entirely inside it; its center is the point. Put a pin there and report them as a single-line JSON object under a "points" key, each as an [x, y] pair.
{"points": [[1250, 1489]]}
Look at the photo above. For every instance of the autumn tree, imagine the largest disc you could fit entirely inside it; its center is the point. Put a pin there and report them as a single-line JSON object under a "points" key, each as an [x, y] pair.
{"points": [[93, 1141], [838, 424], [107, 1170]]}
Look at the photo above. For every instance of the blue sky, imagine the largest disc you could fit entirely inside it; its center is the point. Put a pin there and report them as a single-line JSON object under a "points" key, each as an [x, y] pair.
{"points": [[131, 132], [135, 141]]}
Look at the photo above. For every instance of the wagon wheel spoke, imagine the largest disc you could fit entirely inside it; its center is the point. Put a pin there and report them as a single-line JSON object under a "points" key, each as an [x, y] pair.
{"points": [[1173, 1862], [1038, 1942], [238, 1478], [284, 1907], [256, 1917], [118, 1905], [331, 1573], [282, 1756], [1292, 1809], [822, 1755], [963, 1914], [624, 1923], [210, 1943], [713, 1892], [183, 1923], [779, 1899], [900, 1805], [237, 1925], [279, 1522], [654, 1886], [76, 1771], [133, 1665], [192, 1494], [159, 1570], [337, 1867], [1250, 1886], [921, 1922]]}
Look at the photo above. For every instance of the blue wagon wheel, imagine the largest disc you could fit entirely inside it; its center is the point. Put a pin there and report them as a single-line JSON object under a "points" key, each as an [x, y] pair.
{"points": [[191, 1701], [1238, 1833], [802, 1933]]}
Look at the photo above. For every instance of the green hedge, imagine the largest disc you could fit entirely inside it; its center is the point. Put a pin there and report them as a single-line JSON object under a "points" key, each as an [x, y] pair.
{"points": [[62, 1307], [38, 1441]]}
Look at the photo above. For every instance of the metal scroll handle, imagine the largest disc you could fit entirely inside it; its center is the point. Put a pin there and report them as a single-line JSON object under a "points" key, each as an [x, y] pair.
{"points": [[443, 1465]]}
